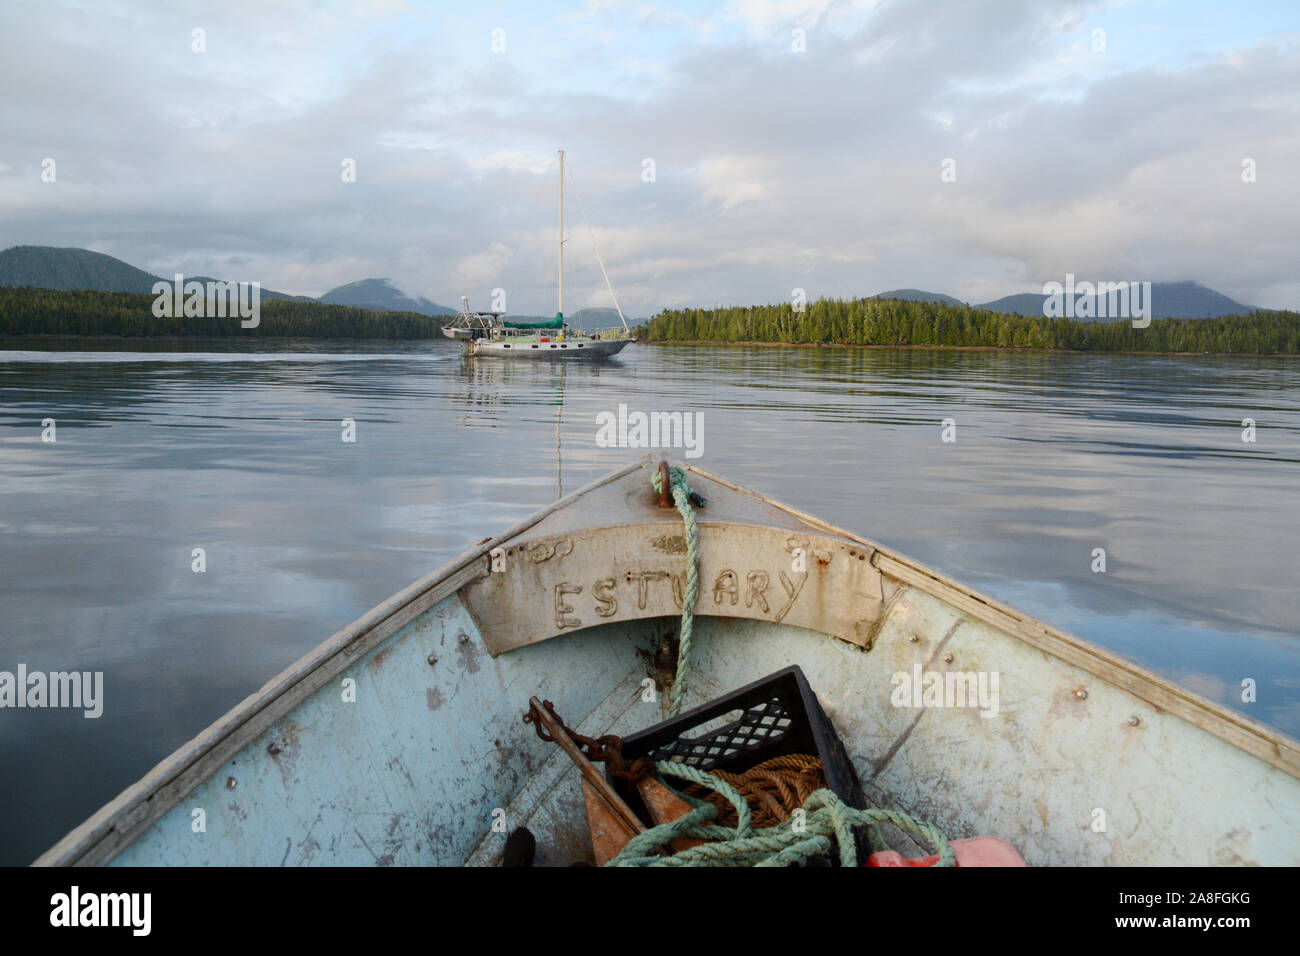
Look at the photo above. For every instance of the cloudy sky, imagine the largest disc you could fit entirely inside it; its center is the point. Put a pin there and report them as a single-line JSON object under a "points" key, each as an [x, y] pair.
{"points": [[795, 143]]}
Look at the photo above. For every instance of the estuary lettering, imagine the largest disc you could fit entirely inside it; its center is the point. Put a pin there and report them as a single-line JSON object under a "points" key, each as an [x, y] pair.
{"points": [[651, 588]]}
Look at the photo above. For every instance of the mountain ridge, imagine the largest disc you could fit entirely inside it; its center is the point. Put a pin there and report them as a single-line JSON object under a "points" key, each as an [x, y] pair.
{"points": [[68, 268], [1186, 299], [1169, 300], [919, 295], [381, 295]]}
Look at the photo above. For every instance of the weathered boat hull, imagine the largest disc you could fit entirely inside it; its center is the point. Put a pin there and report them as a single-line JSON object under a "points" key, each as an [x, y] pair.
{"points": [[399, 740]]}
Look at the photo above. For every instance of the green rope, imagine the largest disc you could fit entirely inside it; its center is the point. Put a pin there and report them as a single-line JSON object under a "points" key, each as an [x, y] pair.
{"points": [[828, 822], [681, 493], [682, 771]]}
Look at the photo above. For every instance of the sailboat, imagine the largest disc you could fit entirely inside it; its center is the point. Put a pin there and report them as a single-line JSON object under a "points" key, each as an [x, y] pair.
{"points": [[494, 333]]}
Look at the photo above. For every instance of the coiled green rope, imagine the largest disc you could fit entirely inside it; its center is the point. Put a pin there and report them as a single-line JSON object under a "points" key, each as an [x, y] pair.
{"points": [[681, 493], [827, 821]]}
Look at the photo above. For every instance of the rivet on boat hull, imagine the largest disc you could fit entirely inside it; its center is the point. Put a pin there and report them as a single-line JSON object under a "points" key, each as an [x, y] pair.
{"points": [[272, 748], [1134, 720], [1080, 693], [947, 659], [914, 639], [231, 783], [432, 659]]}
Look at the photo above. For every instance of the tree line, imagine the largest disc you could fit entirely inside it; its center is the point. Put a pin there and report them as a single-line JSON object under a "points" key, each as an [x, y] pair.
{"points": [[52, 312], [888, 322], [895, 322]]}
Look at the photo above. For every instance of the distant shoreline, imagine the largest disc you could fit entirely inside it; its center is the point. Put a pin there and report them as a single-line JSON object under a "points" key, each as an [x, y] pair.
{"points": [[235, 339], [962, 348], [73, 337]]}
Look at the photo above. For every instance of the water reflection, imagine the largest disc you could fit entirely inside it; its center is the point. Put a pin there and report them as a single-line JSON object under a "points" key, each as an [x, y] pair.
{"points": [[236, 448]]}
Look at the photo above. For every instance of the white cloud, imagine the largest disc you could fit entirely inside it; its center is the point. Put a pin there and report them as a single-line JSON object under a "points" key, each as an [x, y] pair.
{"points": [[765, 18], [482, 270], [769, 168]]}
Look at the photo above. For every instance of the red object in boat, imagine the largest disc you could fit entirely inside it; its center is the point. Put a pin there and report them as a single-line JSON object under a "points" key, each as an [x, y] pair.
{"points": [[543, 340], [979, 851]]}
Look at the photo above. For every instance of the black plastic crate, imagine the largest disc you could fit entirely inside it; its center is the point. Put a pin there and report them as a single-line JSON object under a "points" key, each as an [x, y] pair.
{"points": [[779, 715]]}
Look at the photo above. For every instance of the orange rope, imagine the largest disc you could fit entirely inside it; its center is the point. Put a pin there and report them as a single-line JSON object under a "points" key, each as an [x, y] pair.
{"points": [[773, 789]]}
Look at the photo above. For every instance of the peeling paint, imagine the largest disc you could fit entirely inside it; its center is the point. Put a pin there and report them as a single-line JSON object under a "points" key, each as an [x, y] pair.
{"points": [[468, 653], [382, 781]]}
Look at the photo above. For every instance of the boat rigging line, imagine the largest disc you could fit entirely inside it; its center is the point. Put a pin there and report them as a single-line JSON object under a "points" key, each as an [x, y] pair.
{"points": [[591, 232]]}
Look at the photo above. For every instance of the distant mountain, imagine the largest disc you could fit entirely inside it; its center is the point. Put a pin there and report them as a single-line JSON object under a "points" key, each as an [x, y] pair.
{"points": [[919, 295], [48, 267], [265, 293], [1182, 300], [1022, 303], [602, 318], [380, 295], [52, 267]]}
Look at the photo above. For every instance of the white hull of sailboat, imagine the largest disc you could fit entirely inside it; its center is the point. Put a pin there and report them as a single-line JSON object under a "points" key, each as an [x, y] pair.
{"points": [[571, 349]]}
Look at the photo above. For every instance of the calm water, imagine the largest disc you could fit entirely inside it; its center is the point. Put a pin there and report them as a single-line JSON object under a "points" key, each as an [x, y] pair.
{"points": [[160, 452]]}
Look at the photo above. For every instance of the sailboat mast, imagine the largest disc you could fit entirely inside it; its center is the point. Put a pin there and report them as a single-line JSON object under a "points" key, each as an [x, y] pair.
{"points": [[561, 260]]}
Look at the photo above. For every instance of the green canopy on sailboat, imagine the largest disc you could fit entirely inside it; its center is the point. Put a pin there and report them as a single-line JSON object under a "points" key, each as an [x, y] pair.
{"points": [[555, 323]]}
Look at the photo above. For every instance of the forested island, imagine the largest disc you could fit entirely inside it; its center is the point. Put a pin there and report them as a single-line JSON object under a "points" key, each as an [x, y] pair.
{"points": [[50, 312], [857, 322], [898, 323]]}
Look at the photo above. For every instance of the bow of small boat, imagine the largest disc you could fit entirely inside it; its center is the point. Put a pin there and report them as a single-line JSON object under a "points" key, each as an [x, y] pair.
{"points": [[400, 740]]}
